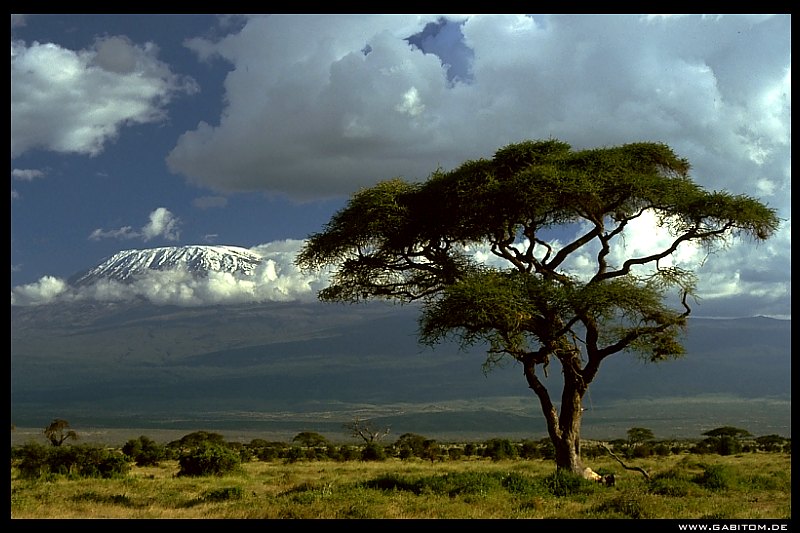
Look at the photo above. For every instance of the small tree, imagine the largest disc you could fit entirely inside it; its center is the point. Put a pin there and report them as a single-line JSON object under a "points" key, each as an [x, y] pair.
{"points": [[310, 439], [637, 439], [431, 450], [410, 444], [144, 451], [498, 449], [195, 439], [725, 440], [771, 443], [58, 432], [373, 452], [727, 431], [411, 242], [364, 429], [639, 435], [208, 458]]}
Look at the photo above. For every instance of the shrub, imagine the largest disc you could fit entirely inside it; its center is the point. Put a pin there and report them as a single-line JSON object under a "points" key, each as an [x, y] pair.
{"points": [[455, 453], [208, 459], [627, 505], [521, 484], [349, 453], [715, 477], [195, 439], [33, 460], [373, 452], [661, 449], [224, 494], [529, 450], [144, 451], [36, 461], [563, 482], [670, 483], [392, 482], [499, 449], [405, 453], [458, 483], [409, 445], [431, 450], [641, 451], [294, 454]]}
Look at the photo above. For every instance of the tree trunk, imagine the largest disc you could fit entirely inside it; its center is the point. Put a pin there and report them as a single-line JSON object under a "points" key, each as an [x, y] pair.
{"points": [[568, 438], [564, 428]]}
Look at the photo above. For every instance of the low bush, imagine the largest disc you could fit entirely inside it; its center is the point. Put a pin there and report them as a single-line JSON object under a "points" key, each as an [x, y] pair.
{"points": [[35, 461], [562, 482], [208, 459], [715, 477], [224, 494]]}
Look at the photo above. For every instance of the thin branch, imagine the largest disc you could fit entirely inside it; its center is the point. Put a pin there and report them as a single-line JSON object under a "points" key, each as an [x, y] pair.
{"points": [[626, 467]]}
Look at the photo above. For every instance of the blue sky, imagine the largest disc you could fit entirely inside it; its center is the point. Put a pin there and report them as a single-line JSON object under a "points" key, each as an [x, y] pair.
{"points": [[163, 130]]}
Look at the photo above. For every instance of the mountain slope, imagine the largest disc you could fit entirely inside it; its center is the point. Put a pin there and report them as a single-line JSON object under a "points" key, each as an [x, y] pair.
{"points": [[297, 367], [124, 266]]}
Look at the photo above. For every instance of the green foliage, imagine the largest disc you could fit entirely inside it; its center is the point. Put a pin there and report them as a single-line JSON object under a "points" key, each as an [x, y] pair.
{"points": [[58, 432], [564, 482], [207, 459], [727, 431], [626, 505], [36, 461], [197, 438], [530, 450], [715, 477], [33, 460], [373, 451], [521, 484], [349, 453], [266, 450], [310, 439], [723, 445], [410, 444], [293, 454], [431, 450], [144, 451], [771, 443], [224, 494], [451, 484], [499, 449], [675, 482], [637, 435]]}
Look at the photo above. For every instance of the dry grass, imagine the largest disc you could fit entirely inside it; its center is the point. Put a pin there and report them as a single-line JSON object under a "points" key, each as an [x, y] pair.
{"points": [[757, 487]]}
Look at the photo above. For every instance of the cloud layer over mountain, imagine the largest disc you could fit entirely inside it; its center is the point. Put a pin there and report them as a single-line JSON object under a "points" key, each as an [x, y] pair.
{"points": [[278, 279]]}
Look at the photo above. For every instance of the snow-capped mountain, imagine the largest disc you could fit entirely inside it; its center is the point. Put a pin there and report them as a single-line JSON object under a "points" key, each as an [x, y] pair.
{"points": [[126, 265]]}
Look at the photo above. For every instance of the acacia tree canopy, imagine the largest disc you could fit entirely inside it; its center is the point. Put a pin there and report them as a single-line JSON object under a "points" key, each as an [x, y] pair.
{"points": [[416, 241]]}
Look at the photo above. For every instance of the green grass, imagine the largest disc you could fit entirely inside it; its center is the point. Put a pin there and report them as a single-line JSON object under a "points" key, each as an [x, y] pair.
{"points": [[749, 486]]}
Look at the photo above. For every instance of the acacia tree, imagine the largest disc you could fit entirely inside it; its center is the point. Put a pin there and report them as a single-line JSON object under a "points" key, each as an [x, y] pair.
{"points": [[364, 429], [409, 242], [58, 431]]}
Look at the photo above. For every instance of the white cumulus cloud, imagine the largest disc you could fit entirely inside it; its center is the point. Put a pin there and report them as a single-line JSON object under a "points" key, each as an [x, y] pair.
{"points": [[76, 101], [162, 224]]}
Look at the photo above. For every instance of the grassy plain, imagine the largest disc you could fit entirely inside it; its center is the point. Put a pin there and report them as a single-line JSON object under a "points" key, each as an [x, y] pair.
{"points": [[684, 486]]}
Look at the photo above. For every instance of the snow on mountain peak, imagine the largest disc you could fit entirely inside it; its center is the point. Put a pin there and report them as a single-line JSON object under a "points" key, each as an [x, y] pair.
{"points": [[198, 260]]}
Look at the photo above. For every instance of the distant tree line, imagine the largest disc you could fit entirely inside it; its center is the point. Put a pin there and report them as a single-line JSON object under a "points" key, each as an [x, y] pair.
{"points": [[204, 453]]}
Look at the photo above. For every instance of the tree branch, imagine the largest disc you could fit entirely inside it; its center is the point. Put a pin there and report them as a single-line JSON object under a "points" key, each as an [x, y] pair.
{"points": [[626, 467]]}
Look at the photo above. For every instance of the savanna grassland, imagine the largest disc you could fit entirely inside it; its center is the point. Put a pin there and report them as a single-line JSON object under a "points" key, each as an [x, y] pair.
{"points": [[681, 486]]}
